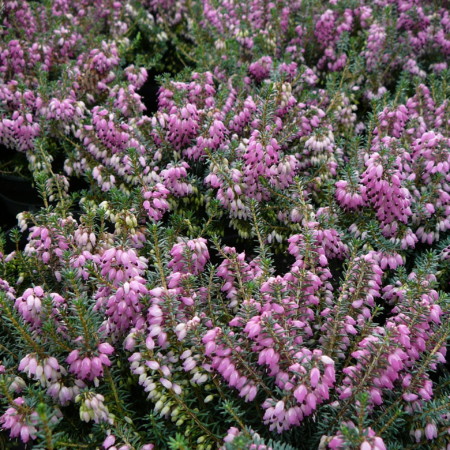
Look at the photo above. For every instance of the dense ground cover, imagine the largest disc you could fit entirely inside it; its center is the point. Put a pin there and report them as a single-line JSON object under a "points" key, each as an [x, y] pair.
{"points": [[235, 224]]}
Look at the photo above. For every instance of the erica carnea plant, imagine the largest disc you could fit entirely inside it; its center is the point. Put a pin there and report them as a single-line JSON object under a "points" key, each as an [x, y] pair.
{"points": [[262, 262]]}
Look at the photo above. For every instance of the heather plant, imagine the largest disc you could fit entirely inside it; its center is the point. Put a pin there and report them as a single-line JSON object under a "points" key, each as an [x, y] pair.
{"points": [[389, 36], [113, 310], [60, 61], [260, 263]]}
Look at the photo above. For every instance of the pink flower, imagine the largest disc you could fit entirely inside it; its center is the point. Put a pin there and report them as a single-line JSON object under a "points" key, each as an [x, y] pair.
{"points": [[431, 431]]}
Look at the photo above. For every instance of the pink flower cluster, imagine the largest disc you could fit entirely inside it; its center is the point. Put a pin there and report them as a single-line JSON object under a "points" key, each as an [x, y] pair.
{"points": [[189, 257], [90, 367], [20, 421], [121, 289], [400, 343], [370, 440], [54, 38]]}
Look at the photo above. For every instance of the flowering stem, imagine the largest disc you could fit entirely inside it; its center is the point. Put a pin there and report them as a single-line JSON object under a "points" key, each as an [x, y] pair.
{"points": [[194, 417], [362, 384], [329, 350], [110, 380], [158, 258], [247, 367], [21, 330], [47, 432], [233, 414], [422, 369]]}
